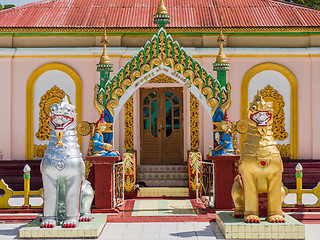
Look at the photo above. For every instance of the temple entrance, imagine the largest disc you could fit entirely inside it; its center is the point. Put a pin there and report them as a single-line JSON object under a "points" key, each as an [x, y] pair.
{"points": [[161, 126]]}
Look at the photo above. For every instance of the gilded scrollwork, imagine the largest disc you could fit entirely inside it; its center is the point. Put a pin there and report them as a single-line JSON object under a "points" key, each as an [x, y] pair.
{"points": [[284, 150], [154, 48], [162, 79], [38, 150], [272, 95], [194, 122], [54, 95], [88, 165], [169, 48], [148, 52], [128, 124]]}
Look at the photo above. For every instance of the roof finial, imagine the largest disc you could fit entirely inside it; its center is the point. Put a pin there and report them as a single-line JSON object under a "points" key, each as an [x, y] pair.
{"points": [[105, 59], [162, 9], [161, 17], [221, 58]]}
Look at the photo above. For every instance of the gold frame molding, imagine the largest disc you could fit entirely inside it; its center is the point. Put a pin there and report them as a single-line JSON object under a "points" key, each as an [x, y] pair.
{"points": [[294, 152], [30, 103]]}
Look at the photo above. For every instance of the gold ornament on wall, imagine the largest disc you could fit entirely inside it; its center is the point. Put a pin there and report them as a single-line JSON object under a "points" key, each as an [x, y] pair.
{"points": [[270, 94], [194, 122], [54, 95], [38, 150], [162, 78], [128, 124], [284, 150]]}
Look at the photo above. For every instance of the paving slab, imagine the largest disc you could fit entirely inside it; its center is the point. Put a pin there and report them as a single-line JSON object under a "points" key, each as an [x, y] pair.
{"points": [[236, 228], [90, 229]]}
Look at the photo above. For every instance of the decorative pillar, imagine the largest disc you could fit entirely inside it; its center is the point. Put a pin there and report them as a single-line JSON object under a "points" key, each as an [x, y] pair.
{"points": [[105, 68], [221, 66], [222, 153], [222, 139]]}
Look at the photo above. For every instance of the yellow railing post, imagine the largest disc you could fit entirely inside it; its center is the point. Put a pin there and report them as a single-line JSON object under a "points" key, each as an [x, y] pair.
{"points": [[299, 183], [26, 179]]}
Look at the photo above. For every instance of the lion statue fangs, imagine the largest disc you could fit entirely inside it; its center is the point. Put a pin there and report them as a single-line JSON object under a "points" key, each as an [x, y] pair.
{"points": [[65, 190], [260, 168]]}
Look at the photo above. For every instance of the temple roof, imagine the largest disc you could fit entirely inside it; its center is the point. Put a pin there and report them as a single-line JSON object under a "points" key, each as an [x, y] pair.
{"points": [[139, 14]]}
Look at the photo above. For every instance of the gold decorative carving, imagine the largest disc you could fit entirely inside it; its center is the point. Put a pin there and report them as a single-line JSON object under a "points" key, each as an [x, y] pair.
{"points": [[176, 53], [88, 165], [154, 48], [83, 128], [162, 78], [38, 150], [194, 122], [183, 59], [272, 95], [162, 43], [141, 60], [284, 150], [169, 48], [128, 124], [148, 52], [54, 95]]}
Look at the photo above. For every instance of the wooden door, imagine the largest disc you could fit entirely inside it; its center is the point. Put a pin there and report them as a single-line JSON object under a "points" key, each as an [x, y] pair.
{"points": [[161, 128]]}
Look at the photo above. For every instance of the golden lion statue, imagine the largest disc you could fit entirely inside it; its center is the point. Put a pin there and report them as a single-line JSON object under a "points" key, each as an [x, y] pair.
{"points": [[260, 166]]}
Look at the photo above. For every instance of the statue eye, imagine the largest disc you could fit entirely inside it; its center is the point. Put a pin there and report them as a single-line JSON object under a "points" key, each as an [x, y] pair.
{"points": [[254, 107]]}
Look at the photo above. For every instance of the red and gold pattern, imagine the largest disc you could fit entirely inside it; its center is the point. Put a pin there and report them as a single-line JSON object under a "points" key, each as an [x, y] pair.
{"points": [[193, 159], [129, 172]]}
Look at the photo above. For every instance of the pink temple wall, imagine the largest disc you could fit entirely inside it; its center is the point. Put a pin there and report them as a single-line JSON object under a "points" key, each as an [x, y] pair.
{"points": [[15, 73]]}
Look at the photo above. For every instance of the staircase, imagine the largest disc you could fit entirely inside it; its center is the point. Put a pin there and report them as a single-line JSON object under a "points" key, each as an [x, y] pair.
{"points": [[163, 180]]}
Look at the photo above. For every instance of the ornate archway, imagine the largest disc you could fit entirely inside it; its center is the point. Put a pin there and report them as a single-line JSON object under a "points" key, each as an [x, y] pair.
{"points": [[161, 55]]}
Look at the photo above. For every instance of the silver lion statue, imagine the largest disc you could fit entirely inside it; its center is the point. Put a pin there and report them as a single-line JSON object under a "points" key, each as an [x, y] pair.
{"points": [[67, 195]]}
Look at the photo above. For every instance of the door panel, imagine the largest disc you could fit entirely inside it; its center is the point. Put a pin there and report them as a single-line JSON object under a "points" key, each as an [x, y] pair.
{"points": [[161, 126]]}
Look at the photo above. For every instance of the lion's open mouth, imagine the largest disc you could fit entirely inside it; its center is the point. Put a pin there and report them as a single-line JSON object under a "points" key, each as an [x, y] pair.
{"points": [[261, 118], [60, 122]]}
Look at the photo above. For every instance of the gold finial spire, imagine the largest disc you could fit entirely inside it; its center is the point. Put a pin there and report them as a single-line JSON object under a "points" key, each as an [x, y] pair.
{"points": [[221, 58], [105, 59], [162, 9]]}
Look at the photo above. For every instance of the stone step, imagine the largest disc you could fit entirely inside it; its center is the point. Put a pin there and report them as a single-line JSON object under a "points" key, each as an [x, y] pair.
{"points": [[162, 168], [164, 183], [162, 176], [163, 192]]}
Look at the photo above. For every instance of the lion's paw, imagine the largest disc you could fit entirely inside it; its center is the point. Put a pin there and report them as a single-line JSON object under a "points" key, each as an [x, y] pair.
{"points": [[70, 223], [238, 213], [252, 219], [48, 222], [277, 219], [86, 217]]}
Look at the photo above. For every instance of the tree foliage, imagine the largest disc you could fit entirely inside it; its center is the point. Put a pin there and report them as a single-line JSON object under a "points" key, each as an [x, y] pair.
{"points": [[6, 6], [309, 3]]}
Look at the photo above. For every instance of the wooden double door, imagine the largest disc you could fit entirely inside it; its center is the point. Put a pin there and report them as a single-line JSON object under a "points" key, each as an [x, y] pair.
{"points": [[161, 126]]}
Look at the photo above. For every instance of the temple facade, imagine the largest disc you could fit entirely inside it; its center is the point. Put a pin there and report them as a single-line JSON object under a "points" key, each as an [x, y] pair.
{"points": [[50, 49]]}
